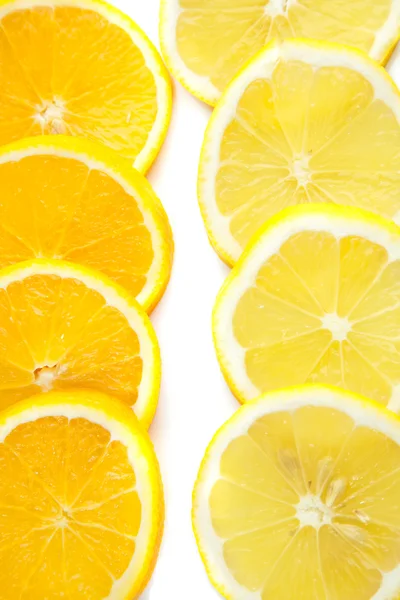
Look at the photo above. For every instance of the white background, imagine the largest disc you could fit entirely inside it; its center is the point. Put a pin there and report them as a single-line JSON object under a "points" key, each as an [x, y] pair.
{"points": [[195, 400]]}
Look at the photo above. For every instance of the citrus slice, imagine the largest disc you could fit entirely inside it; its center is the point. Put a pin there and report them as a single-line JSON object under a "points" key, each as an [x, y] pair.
{"points": [[81, 499], [69, 198], [81, 68], [297, 499], [206, 42], [314, 299], [304, 122], [63, 326]]}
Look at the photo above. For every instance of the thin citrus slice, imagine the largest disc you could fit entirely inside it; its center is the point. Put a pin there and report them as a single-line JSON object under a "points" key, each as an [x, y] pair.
{"points": [[69, 198], [81, 499], [206, 42], [297, 499], [314, 299], [81, 68], [304, 122], [63, 326]]}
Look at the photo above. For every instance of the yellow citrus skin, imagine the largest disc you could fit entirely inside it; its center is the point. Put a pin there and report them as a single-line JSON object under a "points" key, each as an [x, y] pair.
{"points": [[381, 236], [310, 53], [370, 414], [122, 424], [36, 159], [69, 108]]}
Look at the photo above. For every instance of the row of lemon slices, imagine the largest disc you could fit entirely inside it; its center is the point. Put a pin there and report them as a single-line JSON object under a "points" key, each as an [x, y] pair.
{"points": [[300, 490], [298, 496], [85, 253]]}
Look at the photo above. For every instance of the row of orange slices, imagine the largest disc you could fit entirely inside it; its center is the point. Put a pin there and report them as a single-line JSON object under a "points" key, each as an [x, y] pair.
{"points": [[86, 252]]}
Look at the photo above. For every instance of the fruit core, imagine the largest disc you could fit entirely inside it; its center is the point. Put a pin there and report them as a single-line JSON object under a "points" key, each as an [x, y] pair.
{"points": [[44, 377], [274, 8], [301, 170], [312, 511], [50, 116], [338, 326]]}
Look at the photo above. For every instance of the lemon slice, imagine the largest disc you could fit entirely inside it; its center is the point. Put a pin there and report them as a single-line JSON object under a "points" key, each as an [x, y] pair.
{"points": [[69, 198], [82, 502], [314, 299], [82, 68], [304, 122], [297, 499], [64, 326], [206, 42]]}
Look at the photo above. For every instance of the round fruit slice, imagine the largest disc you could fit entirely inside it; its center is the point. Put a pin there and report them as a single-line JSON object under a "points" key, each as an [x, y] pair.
{"points": [[68, 198], [82, 502], [314, 299], [297, 498], [304, 122], [64, 326], [81, 68], [206, 42]]}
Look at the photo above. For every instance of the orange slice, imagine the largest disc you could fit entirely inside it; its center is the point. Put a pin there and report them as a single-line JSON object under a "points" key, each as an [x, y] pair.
{"points": [[81, 499], [69, 198], [82, 69], [63, 326]]}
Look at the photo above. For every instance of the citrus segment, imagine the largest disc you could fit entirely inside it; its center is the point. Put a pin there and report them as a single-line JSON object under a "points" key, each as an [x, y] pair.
{"points": [[82, 69], [66, 327], [82, 504], [314, 299], [337, 143], [206, 42], [75, 200], [302, 481]]}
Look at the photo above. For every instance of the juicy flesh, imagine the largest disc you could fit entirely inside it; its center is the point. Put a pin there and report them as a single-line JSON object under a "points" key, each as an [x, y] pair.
{"points": [[67, 70], [55, 207], [59, 334], [69, 513], [336, 143], [306, 507], [324, 310], [215, 38]]}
